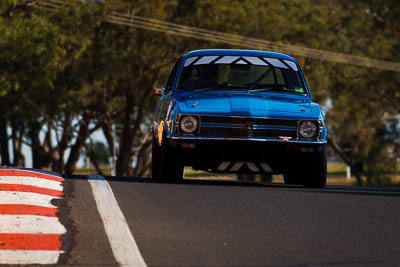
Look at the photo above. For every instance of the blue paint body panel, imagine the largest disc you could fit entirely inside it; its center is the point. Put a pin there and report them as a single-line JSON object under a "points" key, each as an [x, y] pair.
{"points": [[234, 104]]}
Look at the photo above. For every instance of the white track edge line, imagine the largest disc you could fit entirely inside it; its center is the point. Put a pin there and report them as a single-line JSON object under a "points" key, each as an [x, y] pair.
{"points": [[123, 244]]}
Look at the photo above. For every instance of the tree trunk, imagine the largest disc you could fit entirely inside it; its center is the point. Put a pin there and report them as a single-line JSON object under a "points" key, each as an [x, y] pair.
{"points": [[108, 134], [126, 139], [354, 167], [129, 134], [142, 155], [5, 155], [17, 135], [40, 159], [76, 149], [59, 165], [92, 156], [144, 159]]}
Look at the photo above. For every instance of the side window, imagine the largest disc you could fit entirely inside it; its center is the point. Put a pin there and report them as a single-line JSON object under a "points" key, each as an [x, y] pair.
{"points": [[171, 77]]}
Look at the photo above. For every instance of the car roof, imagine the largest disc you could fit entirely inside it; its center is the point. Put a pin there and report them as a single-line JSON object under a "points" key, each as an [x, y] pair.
{"points": [[237, 52]]}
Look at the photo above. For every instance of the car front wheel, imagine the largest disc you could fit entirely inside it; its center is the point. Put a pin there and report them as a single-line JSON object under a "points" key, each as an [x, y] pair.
{"points": [[308, 169], [314, 174], [155, 159], [291, 177], [171, 167]]}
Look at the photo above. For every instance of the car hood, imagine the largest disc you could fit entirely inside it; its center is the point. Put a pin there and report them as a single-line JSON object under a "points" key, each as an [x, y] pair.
{"points": [[244, 105]]}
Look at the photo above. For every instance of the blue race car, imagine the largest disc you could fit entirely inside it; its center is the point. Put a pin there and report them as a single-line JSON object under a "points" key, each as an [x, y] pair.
{"points": [[238, 111]]}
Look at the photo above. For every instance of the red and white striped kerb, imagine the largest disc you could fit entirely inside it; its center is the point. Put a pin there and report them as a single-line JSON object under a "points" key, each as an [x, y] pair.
{"points": [[30, 230]]}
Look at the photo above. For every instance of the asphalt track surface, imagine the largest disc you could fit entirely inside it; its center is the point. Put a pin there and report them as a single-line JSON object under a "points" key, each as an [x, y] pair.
{"points": [[219, 223]]}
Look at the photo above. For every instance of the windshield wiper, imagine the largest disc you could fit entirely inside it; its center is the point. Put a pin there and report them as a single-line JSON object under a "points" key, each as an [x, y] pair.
{"points": [[203, 89], [236, 86], [280, 87], [222, 87], [262, 89], [277, 88], [251, 87]]}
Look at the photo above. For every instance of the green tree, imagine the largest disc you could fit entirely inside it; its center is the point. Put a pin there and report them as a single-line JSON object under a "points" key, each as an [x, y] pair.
{"points": [[28, 41], [98, 152], [363, 99]]}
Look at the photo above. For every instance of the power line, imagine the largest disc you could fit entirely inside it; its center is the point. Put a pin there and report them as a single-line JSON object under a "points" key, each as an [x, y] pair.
{"points": [[231, 39]]}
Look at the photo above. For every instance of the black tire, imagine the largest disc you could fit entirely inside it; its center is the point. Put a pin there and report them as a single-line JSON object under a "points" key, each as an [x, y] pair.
{"points": [[171, 167], [155, 159], [314, 176], [291, 178], [307, 169]]}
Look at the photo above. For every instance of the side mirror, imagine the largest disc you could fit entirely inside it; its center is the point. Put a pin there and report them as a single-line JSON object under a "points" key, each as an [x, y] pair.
{"points": [[159, 90]]}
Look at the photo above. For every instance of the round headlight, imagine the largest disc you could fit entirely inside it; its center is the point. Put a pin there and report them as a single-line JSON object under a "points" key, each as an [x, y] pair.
{"points": [[308, 130], [189, 124]]}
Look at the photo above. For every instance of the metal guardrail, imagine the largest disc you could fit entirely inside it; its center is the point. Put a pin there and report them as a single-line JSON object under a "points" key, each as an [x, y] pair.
{"points": [[232, 39]]}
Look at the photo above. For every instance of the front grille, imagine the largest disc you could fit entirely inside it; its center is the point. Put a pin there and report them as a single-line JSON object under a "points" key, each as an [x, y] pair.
{"points": [[275, 122], [223, 132], [274, 133], [230, 127]]}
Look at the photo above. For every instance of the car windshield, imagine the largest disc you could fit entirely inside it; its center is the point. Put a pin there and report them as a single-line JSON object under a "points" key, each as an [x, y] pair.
{"points": [[255, 74]]}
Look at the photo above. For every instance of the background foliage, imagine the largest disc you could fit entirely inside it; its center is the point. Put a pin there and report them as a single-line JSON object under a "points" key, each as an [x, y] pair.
{"points": [[67, 74]]}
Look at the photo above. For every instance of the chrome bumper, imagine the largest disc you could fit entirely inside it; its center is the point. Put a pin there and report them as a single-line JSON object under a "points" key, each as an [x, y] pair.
{"points": [[272, 140]]}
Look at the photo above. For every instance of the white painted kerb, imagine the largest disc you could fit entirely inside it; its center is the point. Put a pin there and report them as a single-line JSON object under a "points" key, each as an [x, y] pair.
{"points": [[30, 224], [26, 198], [29, 256], [32, 181]]}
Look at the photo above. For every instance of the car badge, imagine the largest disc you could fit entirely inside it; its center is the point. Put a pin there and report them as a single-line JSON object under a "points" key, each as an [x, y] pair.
{"points": [[302, 110], [249, 126], [285, 138], [194, 105]]}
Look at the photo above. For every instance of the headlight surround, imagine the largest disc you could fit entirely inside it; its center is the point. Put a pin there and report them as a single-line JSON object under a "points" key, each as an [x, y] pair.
{"points": [[308, 130], [189, 124]]}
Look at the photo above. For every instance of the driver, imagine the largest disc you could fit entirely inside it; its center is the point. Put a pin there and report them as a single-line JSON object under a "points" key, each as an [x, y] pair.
{"points": [[205, 78]]}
